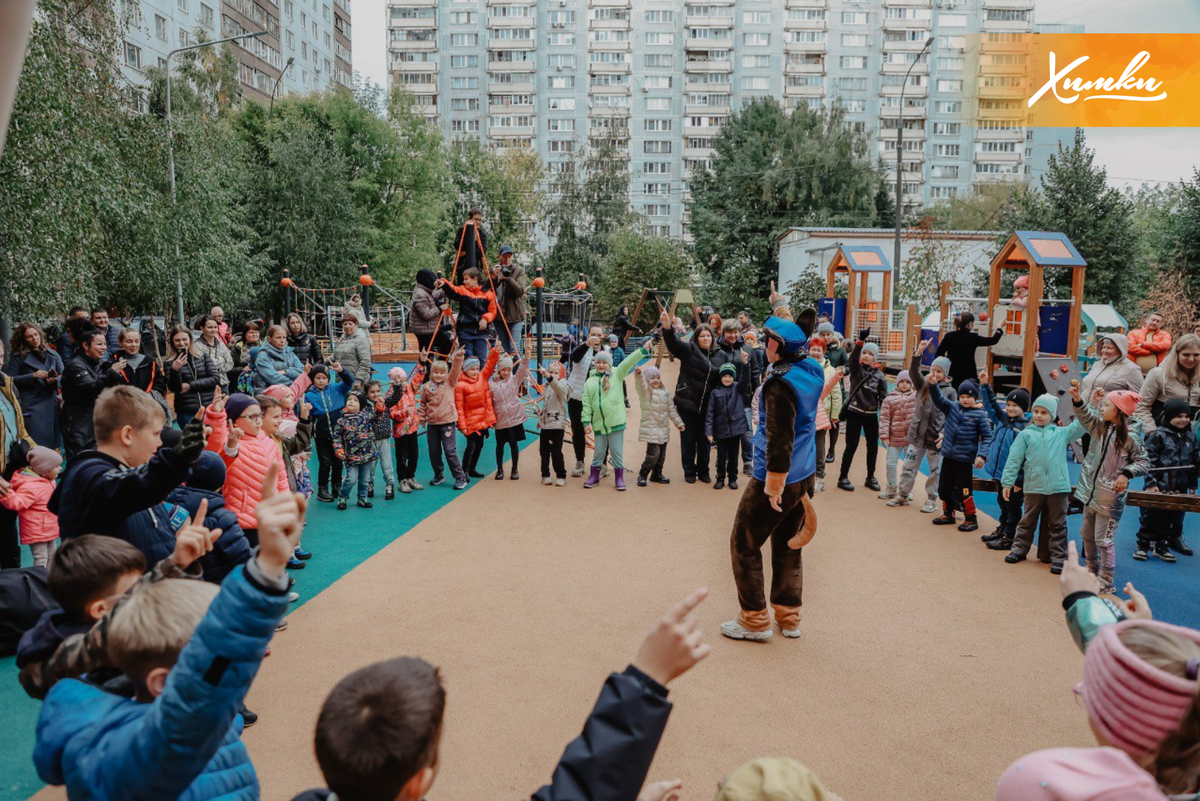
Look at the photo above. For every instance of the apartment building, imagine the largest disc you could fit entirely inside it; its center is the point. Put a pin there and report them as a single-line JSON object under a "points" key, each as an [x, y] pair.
{"points": [[315, 34], [660, 78]]}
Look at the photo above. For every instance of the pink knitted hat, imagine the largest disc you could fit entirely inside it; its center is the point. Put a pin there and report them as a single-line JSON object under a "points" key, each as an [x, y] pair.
{"points": [[278, 391], [1133, 703], [397, 375], [1124, 400], [903, 376]]}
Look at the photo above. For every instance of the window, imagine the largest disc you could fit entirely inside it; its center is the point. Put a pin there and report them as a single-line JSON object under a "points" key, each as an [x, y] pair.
{"points": [[288, 9], [708, 33], [952, 20], [183, 5], [805, 80], [658, 104], [464, 39], [654, 38], [607, 14], [852, 84], [1000, 125], [951, 63], [605, 35], [561, 103], [706, 99], [564, 60], [660, 16], [949, 107], [560, 126], [611, 101], [414, 12], [652, 60], [160, 27], [999, 105], [1005, 15], [561, 17], [656, 189], [464, 126], [808, 14], [942, 192], [854, 105], [560, 39], [657, 210], [656, 126], [562, 82], [207, 16], [133, 56], [806, 37], [944, 85], [290, 40], [464, 103], [464, 83], [997, 147], [656, 146], [950, 42], [753, 62], [894, 12], [608, 57], [854, 40], [947, 150], [304, 50], [510, 11], [1004, 59], [658, 82], [457, 62], [853, 62], [325, 13], [560, 146], [656, 168], [993, 168], [460, 17], [699, 142], [511, 121], [756, 39], [756, 17], [944, 171], [509, 34], [947, 128], [854, 18], [755, 84]]}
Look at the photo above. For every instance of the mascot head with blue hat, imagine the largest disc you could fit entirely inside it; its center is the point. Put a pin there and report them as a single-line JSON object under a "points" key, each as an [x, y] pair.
{"points": [[786, 340]]}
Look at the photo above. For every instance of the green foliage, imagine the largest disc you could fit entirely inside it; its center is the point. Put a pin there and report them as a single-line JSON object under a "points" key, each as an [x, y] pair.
{"points": [[978, 212], [504, 185], [773, 170], [932, 261], [1183, 252], [806, 291], [638, 261]]}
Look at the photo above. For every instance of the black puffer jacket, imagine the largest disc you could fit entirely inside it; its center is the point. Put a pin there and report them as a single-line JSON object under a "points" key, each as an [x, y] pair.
{"points": [[868, 387], [82, 383], [306, 348], [201, 376], [697, 374], [1168, 446]]}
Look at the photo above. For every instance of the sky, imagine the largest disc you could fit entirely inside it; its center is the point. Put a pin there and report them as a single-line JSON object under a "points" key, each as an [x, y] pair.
{"points": [[1131, 155]]}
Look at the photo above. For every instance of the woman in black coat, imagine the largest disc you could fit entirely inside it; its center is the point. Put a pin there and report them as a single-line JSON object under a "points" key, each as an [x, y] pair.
{"points": [[191, 375], [959, 347], [303, 344], [697, 378], [35, 370], [623, 326]]}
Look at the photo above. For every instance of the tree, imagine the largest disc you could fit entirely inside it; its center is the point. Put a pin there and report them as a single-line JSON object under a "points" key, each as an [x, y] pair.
{"points": [[933, 260], [773, 170], [1074, 198], [978, 212], [1170, 295], [636, 261], [1183, 249]]}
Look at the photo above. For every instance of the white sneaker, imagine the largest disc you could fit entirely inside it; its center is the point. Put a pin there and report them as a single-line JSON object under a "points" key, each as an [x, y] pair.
{"points": [[929, 507], [791, 634], [820, 485], [547, 481], [293, 597], [734, 631], [560, 482], [887, 494], [605, 472], [898, 501], [578, 471], [412, 483]]}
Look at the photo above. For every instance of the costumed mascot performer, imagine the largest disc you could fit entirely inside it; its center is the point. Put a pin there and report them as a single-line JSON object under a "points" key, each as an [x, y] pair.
{"points": [[775, 504]]}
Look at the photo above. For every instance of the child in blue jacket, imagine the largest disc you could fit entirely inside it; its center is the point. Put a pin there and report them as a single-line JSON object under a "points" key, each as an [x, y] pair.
{"points": [[1008, 420], [725, 420], [327, 401], [966, 436]]}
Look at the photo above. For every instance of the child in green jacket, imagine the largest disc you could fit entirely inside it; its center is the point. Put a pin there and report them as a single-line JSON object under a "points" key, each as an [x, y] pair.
{"points": [[604, 412], [1041, 451]]}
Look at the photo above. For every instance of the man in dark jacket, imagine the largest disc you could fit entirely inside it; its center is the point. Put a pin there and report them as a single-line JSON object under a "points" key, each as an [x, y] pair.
{"points": [[82, 383], [470, 246], [364, 750], [67, 341], [508, 279], [111, 332]]}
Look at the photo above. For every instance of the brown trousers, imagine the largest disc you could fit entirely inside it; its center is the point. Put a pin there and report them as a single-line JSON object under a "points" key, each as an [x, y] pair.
{"points": [[755, 523]]}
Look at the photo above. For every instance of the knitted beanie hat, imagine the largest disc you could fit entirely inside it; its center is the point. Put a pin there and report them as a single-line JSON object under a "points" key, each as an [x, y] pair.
{"points": [[1124, 400], [969, 387], [871, 348], [825, 328], [943, 364], [318, 369], [728, 368], [208, 473], [237, 405], [651, 373], [397, 375], [1020, 396], [470, 363], [505, 363], [278, 391], [602, 356], [1173, 408], [903, 376], [1047, 402], [42, 460], [1134, 704]]}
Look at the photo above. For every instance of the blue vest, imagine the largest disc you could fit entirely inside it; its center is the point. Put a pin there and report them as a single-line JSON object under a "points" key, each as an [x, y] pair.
{"points": [[806, 379]]}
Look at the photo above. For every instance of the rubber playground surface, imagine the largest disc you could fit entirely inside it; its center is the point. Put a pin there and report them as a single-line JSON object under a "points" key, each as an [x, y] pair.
{"points": [[926, 665]]}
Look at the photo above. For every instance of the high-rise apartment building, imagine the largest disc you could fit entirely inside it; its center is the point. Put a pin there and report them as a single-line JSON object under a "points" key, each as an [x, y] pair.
{"points": [[660, 78], [314, 33]]}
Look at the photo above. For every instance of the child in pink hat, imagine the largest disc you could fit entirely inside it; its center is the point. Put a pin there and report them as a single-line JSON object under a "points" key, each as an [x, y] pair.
{"points": [[1115, 456], [31, 491]]}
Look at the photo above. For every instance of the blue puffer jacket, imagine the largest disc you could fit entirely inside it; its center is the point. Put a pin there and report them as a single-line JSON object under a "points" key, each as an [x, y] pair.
{"points": [[966, 433], [328, 403], [231, 548], [187, 743], [273, 366], [1004, 431]]}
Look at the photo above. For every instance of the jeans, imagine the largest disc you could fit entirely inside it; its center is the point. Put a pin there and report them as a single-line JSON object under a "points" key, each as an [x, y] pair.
{"points": [[440, 438], [384, 454], [1055, 506], [43, 552], [894, 454], [912, 463], [694, 445], [328, 465], [578, 435], [727, 458], [860, 424], [356, 473], [439, 342], [611, 445], [822, 435], [1010, 511], [748, 441], [656, 456], [406, 456], [511, 344], [1099, 531], [474, 343], [550, 449], [1159, 525]]}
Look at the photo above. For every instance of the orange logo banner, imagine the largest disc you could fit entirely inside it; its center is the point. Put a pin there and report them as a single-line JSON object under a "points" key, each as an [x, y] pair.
{"points": [[1090, 79]]}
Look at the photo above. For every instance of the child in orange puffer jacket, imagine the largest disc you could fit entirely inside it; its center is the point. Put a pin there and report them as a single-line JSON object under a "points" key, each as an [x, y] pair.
{"points": [[476, 413], [237, 437], [401, 403], [894, 416]]}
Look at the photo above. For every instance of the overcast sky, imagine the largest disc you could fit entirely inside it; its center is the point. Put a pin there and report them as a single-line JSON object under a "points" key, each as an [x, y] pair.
{"points": [[1131, 155]]}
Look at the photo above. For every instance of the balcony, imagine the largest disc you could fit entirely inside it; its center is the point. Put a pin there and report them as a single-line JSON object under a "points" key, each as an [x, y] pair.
{"points": [[803, 24], [511, 66], [407, 46], [698, 21], [608, 25], [907, 24], [704, 65], [1018, 5], [412, 24], [619, 69], [806, 4], [610, 4], [910, 112], [920, 68], [803, 91], [907, 3], [906, 46], [525, 87], [707, 44], [1014, 26], [413, 66], [909, 90], [1017, 135], [718, 88], [716, 111], [511, 130], [790, 68], [1010, 158]]}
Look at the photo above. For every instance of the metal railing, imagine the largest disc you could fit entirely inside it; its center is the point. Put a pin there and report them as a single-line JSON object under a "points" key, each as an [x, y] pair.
{"points": [[889, 330]]}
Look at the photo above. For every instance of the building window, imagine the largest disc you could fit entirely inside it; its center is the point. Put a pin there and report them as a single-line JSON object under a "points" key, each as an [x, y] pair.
{"points": [[560, 17], [207, 16], [133, 56], [854, 105], [658, 104], [944, 171], [660, 16], [949, 107], [854, 18], [464, 40], [288, 8], [756, 17], [652, 60], [656, 168], [951, 151], [657, 210], [755, 84], [853, 62], [289, 39], [561, 104], [854, 40], [561, 39], [1005, 15], [947, 128], [656, 146], [560, 146], [655, 38], [951, 63], [756, 39], [464, 104], [160, 27], [656, 189], [471, 82], [997, 147], [560, 126], [656, 126], [561, 60], [943, 192], [457, 62], [945, 85], [183, 5], [952, 20], [464, 126], [562, 82], [658, 82], [752, 62], [462, 17]]}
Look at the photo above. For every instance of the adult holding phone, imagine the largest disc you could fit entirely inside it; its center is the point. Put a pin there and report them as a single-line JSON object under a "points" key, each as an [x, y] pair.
{"points": [[35, 370]]}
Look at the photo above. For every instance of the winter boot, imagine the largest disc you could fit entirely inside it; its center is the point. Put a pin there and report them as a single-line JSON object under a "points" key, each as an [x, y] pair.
{"points": [[947, 516], [641, 479], [997, 534], [1003, 544], [659, 478], [593, 478], [1180, 547], [324, 496], [970, 524], [620, 474]]}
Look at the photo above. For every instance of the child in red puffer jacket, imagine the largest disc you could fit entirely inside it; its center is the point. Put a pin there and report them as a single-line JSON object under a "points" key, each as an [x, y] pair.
{"points": [[894, 417], [31, 491]]}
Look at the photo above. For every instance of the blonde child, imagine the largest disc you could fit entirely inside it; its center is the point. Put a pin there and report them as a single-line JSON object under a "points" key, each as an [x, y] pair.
{"points": [[510, 411], [31, 491], [299, 477], [1115, 456], [659, 416], [440, 416], [401, 403], [828, 411], [604, 413], [381, 432], [895, 416], [476, 411], [552, 423], [354, 441], [237, 437]]}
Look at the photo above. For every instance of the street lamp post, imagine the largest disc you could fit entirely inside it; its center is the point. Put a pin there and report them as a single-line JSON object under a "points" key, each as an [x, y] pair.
{"points": [[171, 149], [900, 174], [291, 60]]}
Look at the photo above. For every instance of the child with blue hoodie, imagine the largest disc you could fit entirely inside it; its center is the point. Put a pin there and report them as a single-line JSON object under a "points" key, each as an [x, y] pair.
{"points": [[1008, 420], [327, 401], [1040, 452], [966, 437]]}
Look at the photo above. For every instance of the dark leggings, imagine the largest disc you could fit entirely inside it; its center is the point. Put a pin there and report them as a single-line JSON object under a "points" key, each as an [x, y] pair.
{"points": [[859, 424], [328, 465], [473, 451], [550, 447], [502, 439], [578, 435], [406, 456]]}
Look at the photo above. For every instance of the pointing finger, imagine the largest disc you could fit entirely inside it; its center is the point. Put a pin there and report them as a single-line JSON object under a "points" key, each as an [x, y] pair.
{"points": [[684, 607]]}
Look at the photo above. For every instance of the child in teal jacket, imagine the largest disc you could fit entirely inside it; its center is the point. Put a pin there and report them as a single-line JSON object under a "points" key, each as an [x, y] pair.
{"points": [[604, 412], [1041, 452]]}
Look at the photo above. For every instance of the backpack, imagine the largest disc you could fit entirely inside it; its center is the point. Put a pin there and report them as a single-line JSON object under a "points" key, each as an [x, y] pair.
{"points": [[24, 598]]}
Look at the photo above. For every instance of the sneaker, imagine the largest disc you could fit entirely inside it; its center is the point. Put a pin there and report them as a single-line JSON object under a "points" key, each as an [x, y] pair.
{"points": [[888, 493], [829, 457], [547, 480], [819, 486], [341, 504], [293, 597], [929, 507], [871, 484], [690, 479], [719, 484], [500, 474], [323, 495], [1013, 558], [248, 717], [412, 484], [1140, 553], [371, 491], [641, 481], [734, 631], [514, 476], [578, 471], [389, 493], [461, 484], [1056, 570], [845, 484], [437, 481], [300, 553], [1002, 544], [281, 625], [748, 469], [560, 482], [404, 487], [732, 484], [945, 520], [364, 503], [791, 634], [295, 564], [1163, 552], [899, 501], [968, 525]]}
